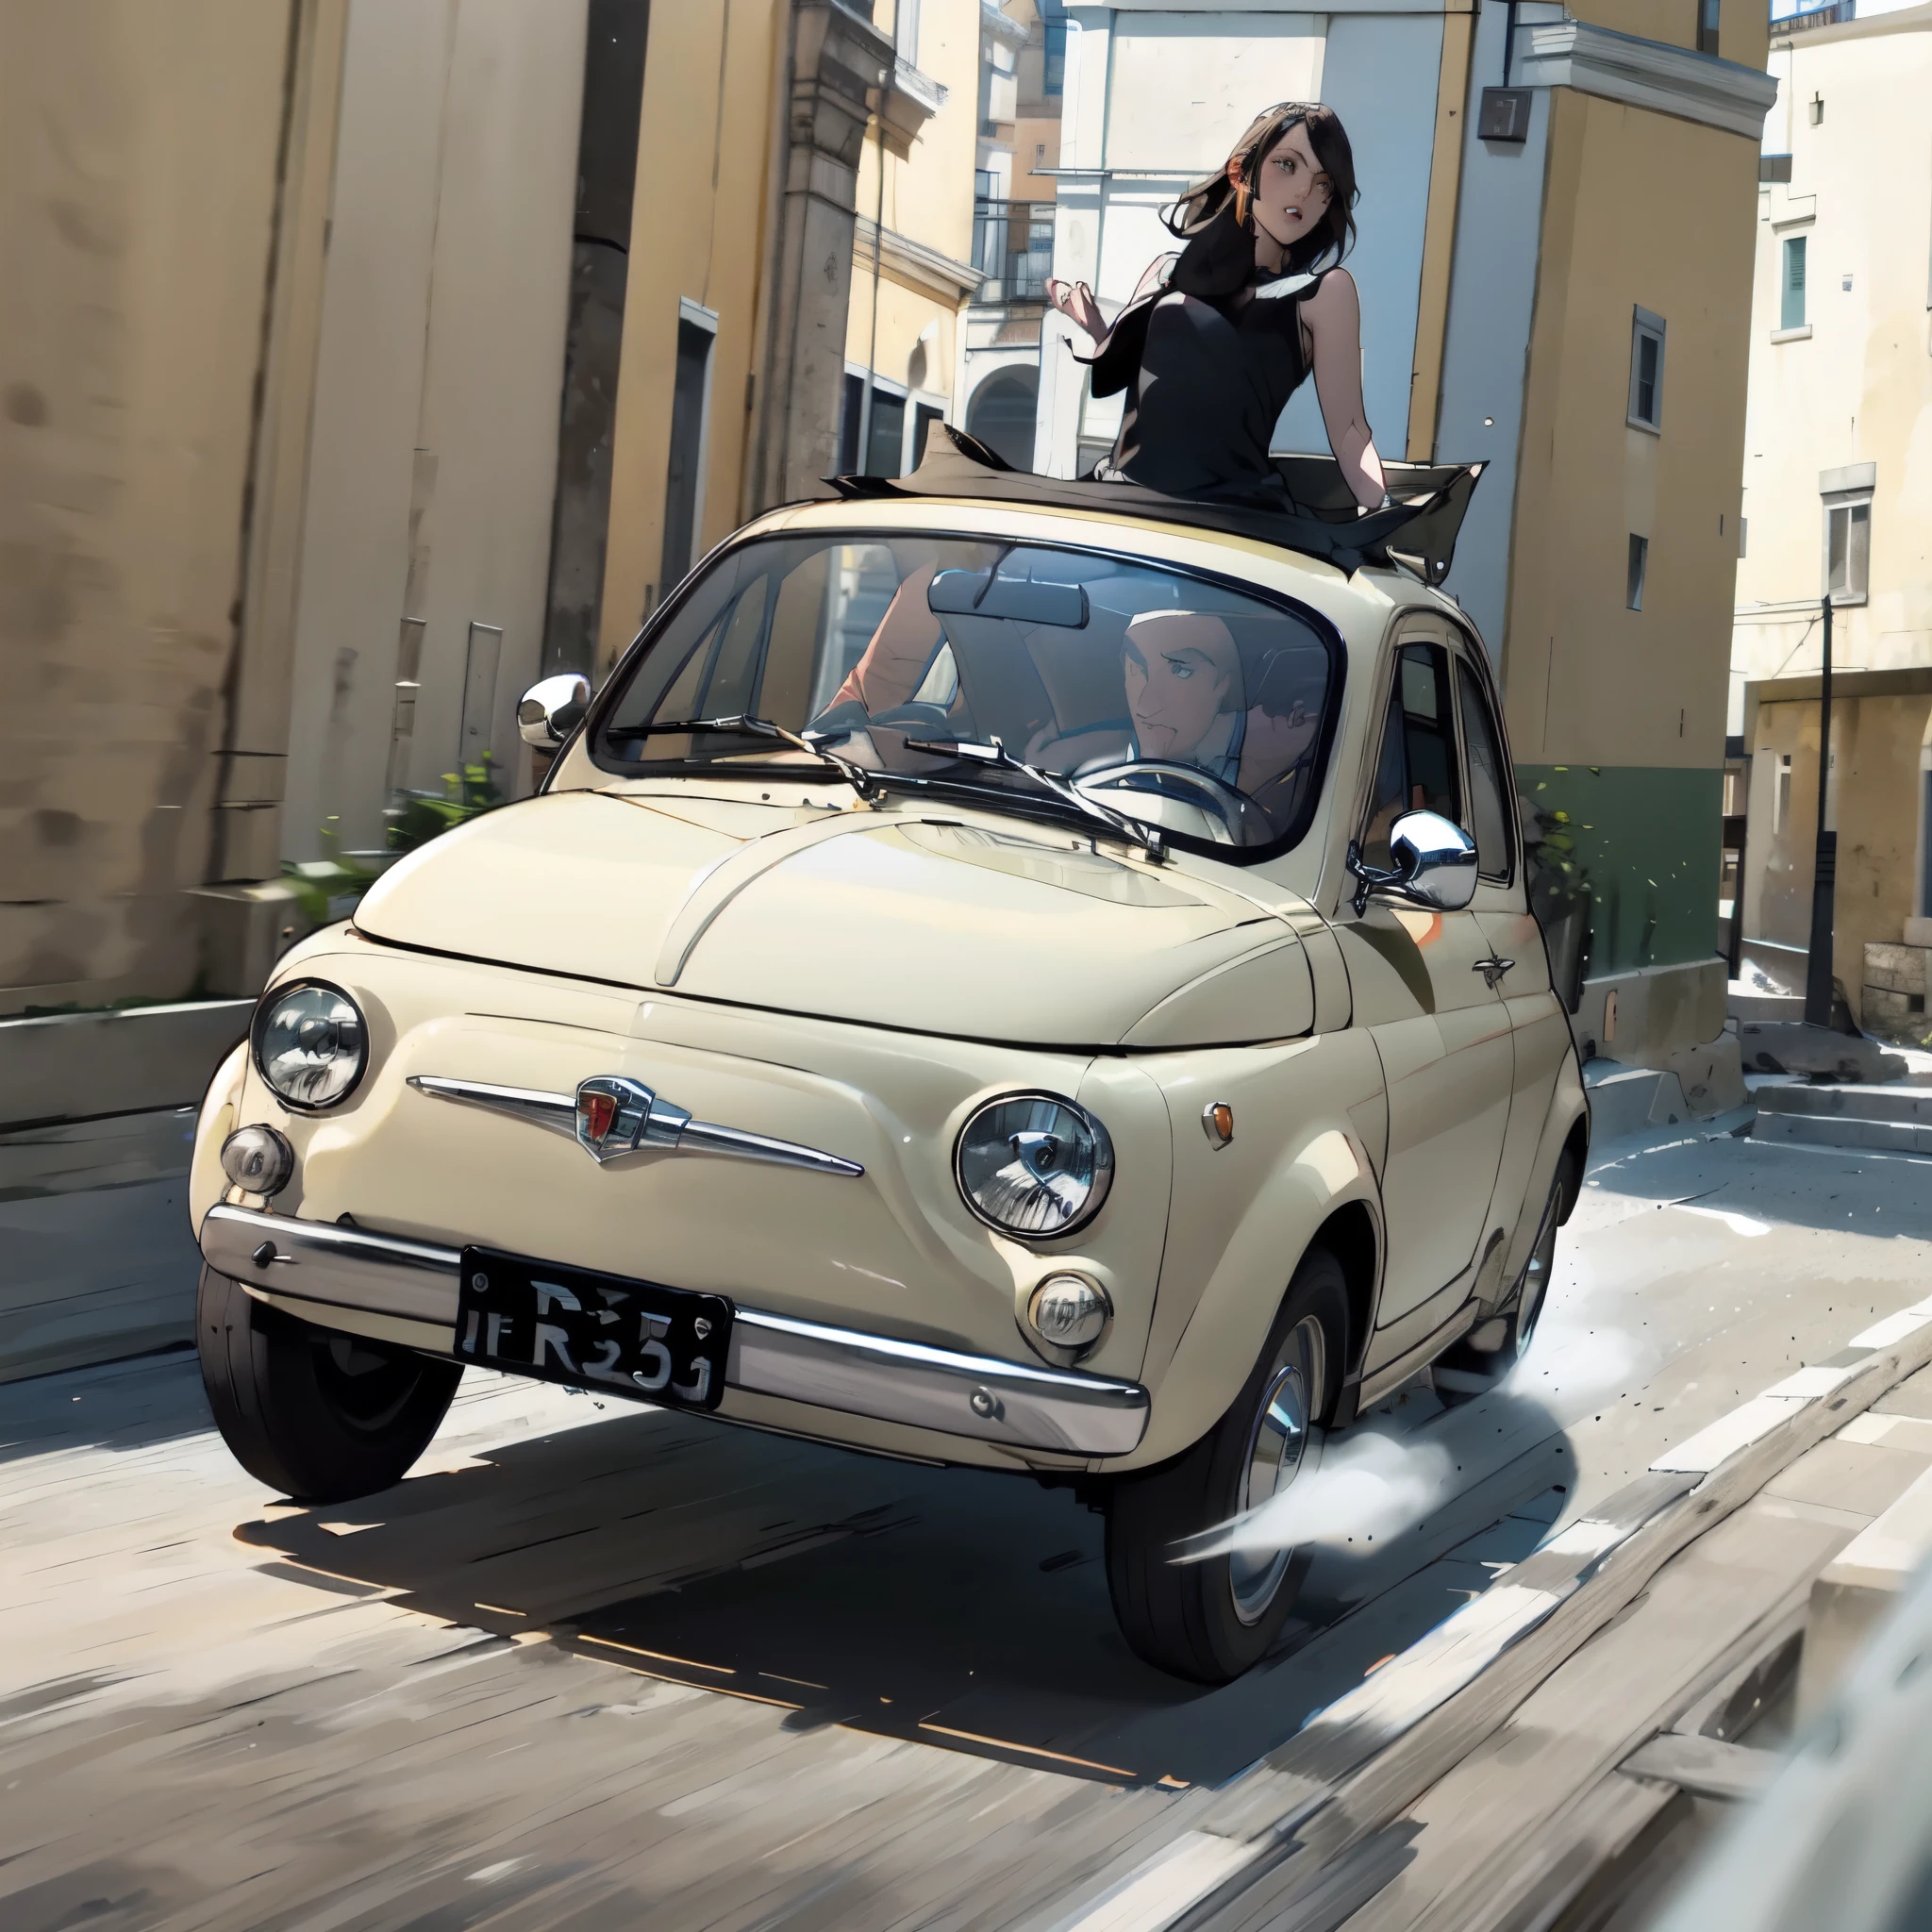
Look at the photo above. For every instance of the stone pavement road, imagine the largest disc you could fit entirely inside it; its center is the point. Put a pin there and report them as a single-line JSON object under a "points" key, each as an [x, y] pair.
{"points": [[593, 1668]]}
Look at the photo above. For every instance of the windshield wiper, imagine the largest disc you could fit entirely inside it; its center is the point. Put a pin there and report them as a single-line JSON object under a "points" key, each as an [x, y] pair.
{"points": [[868, 785], [1149, 838], [863, 782]]}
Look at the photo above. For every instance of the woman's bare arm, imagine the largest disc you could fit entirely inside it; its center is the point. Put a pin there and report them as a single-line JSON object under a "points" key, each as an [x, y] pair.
{"points": [[1333, 315], [1074, 300]]}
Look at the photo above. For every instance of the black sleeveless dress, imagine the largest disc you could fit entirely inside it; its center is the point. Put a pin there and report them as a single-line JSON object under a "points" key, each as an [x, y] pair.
{"points": [[1207, 380]]}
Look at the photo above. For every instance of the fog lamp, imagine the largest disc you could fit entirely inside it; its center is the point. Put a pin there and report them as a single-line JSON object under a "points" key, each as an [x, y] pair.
{"points": [[257, 1160], [1069, 1311]]}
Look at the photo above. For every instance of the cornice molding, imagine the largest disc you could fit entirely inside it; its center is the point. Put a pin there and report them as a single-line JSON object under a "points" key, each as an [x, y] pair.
{"points": [[996, 26], [910, 101], [912, 262], [1646, 74]]}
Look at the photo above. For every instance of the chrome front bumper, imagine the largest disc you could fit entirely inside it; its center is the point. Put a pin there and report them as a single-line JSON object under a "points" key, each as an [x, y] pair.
{"points": [[977, 1396]]}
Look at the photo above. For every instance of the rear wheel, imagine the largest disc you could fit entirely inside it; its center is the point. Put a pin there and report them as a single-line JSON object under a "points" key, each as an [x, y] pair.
{"points": [[320, 1417], [1214, 1618], [1525, 1307]]}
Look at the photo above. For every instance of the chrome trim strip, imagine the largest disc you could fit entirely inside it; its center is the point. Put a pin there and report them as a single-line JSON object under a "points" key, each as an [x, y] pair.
{"points": [[324, 1262], [935, 1388], [980, 1397], [707, 1137], [558, 1112]]}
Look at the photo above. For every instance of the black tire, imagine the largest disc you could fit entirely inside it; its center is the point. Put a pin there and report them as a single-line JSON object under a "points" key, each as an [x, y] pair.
{"points": [[1213, 1619], [319, 1417], [1525, 1305], [1523, 1309], [1526, 1310]]}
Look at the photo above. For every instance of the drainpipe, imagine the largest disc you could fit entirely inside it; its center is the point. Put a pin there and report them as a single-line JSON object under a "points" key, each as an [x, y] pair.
{"points": [[1824, 859], [871, 348]]}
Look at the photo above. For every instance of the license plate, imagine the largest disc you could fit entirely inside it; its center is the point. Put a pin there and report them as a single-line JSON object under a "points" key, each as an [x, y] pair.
{"points": [[593, 1330]]}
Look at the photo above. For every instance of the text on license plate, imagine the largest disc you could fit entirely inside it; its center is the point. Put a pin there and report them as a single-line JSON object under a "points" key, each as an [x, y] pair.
{"points": [[593, 1330]]}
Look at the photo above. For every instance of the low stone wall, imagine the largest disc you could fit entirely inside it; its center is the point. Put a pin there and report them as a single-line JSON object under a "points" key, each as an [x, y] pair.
{"points": [[1893, 1004], [96, 1127], [96, 1257], [85, 1066], [1643, 1016]]}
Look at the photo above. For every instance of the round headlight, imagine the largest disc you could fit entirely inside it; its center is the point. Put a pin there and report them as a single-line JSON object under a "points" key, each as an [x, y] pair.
{"points": [[310, 1045], [1034, 1164]]}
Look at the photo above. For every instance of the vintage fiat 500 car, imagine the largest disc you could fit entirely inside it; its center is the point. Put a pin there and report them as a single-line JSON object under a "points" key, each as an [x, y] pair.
{"points": [[1004, 983]]}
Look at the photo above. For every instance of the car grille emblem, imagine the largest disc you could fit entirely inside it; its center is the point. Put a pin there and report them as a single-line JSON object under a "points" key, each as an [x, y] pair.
{"points": [[609, 1116], [618, 1116], [595, 1111]]}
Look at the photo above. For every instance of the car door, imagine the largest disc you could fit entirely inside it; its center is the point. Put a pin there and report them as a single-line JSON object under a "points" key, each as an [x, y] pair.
{"points": [[1441, 1027], [1539, 1027]]}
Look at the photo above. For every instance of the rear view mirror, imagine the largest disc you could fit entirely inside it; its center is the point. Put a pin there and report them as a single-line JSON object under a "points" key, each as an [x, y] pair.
{"points": [[552, 709], [1435, 864], [979, 594]]}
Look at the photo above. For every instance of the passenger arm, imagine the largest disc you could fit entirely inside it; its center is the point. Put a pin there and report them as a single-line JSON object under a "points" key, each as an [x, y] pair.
{"points": [[895, 659], [1333, 316]]}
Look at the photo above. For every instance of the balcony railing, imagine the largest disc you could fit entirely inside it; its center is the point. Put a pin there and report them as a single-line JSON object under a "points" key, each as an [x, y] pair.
{"points": [[1012, 246]]}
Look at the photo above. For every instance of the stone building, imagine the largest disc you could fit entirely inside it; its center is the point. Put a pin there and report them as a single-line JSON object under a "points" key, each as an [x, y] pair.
{"points": [[362, 360], [1838, 500]]}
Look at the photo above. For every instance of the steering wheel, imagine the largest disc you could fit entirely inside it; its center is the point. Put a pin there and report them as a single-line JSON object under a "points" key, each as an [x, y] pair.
{"points": [[934, 719], [1186, 783]]}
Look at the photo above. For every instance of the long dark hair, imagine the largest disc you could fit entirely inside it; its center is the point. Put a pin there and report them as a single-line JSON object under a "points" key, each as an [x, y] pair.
{"points": [[1219, 231]]}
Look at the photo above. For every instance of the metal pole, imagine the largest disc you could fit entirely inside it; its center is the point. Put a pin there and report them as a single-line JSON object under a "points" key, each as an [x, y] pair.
{"points": [[1825, 863], [872, 353]]}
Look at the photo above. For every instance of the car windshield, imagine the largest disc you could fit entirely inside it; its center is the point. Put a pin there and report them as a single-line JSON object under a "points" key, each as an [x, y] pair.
{"points": [[1161, 695]]}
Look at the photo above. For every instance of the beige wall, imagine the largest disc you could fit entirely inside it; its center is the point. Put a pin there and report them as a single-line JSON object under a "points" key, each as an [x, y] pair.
{"points": [[927, 198], [709, 122], [1588, 680], [138, 151], [1029, 134], [441, 368], [1875, 747]]}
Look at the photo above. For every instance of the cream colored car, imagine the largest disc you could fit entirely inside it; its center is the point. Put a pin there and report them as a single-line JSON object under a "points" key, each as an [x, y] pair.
{"points": [[1000, 985]]}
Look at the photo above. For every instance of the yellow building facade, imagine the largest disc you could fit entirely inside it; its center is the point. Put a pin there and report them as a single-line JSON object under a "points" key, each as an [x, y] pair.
{"points": [[1543, 191]]}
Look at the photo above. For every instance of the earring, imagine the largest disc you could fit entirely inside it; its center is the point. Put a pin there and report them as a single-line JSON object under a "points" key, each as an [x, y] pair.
{"points": [[1240, 204]]}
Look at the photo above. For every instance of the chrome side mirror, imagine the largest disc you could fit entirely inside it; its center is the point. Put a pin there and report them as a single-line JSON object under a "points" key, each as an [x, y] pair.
{"points": [[552, 709], [1435, 864]]}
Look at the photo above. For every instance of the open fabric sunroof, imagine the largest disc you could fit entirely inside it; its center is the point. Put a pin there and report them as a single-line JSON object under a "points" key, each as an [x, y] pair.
{"points": [[1417, 532]]}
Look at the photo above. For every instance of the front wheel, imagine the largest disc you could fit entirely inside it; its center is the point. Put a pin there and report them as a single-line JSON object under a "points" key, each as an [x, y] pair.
{"points": [[1212, 1618], [320, 1417]]}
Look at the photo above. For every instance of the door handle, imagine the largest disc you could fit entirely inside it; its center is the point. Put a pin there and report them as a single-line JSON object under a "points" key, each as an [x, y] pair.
{"points": [[1492, 970]]}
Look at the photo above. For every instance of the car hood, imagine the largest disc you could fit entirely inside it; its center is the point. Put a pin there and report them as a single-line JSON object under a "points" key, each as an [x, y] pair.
{"points": [[925, 921]]}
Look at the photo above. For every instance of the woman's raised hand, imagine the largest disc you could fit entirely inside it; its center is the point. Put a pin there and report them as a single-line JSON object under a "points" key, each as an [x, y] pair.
{"points": [[1074, 300]]}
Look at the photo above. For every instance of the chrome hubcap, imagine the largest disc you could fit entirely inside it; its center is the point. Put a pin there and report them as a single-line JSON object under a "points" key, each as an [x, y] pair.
{"points": [[1278, 1447]]}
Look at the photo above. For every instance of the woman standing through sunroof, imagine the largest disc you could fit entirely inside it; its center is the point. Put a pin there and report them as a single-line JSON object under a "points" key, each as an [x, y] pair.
{"points": [[1220, 335]]}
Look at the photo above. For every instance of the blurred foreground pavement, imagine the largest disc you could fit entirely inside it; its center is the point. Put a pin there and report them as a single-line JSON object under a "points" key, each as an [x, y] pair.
{"points": [[594, 1668]]}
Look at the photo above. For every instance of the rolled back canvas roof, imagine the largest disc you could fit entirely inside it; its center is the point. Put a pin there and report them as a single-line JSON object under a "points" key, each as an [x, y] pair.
{"points": [[1417, 532]]}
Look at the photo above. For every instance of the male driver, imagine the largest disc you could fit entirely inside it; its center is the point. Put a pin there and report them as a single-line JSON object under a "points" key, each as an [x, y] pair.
{"points": [[1184, 691], [1189, 704]]}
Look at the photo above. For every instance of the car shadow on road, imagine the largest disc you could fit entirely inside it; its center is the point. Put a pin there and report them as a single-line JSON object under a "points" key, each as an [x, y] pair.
{"points": [[966, 1610]]}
